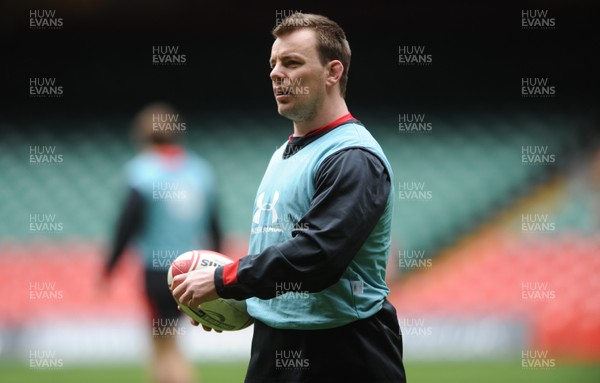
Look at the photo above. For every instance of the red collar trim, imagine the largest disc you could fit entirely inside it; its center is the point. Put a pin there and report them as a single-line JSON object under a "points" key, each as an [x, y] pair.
{"points": [[169, 150], [328, 127]]}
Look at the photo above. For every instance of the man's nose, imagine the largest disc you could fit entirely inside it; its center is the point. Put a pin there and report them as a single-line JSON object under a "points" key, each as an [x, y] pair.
{"points": [[277, 75]]}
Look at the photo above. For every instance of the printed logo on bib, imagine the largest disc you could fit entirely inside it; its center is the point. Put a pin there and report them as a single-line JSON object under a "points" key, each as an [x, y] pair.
{"points": [[268, 219], [266, 207]]}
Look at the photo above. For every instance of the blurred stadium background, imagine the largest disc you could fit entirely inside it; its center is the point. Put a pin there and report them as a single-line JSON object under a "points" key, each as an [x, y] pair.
{"points": [[496, 256]]}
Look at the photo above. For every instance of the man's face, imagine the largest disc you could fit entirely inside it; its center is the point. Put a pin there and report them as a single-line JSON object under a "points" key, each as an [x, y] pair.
{"points": [[297, 75]]}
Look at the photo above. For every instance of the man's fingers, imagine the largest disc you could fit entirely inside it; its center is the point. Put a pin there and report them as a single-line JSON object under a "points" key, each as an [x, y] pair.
{"points": [[179, 289], [206, 328], [177, 280], [185, 297]]}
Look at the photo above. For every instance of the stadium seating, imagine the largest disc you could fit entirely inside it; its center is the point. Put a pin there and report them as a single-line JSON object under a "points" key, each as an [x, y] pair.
{"points": [[471, 166], [478, 156]]}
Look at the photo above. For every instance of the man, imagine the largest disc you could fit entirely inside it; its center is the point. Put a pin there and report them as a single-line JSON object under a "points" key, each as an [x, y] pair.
{"points": [[170, 209], [315, 277]]}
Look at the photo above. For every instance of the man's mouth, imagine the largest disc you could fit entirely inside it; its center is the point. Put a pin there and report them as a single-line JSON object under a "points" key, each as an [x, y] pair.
{"points": [[281, 91]]}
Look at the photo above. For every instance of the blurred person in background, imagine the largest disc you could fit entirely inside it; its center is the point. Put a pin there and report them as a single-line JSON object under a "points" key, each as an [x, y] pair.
{"points": [[170, 208]]}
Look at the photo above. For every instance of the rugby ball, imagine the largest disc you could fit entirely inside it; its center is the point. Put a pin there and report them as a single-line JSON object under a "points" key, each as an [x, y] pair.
{"points": [[220, 314]]}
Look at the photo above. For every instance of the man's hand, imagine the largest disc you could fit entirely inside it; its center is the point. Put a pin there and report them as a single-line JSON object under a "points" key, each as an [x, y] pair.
{"points": [[195, 287]]}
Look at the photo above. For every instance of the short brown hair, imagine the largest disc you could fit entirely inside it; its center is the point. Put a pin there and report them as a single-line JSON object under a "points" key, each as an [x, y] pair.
{"points": [[331, 45]]}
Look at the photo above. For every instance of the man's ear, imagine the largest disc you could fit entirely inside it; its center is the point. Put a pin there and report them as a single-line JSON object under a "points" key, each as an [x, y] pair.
{"points": [[335, 70]]}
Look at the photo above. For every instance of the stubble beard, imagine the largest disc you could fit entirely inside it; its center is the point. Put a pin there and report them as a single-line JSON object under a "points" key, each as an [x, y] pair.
{"points": [[305, 111]]}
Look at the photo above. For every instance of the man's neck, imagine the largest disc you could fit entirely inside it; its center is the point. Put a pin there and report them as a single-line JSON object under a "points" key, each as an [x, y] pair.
{"points": [[327, 114]]}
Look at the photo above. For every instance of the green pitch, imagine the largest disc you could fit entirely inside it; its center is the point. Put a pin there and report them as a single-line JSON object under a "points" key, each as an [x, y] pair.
{"points": [[463, 372]]}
